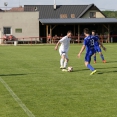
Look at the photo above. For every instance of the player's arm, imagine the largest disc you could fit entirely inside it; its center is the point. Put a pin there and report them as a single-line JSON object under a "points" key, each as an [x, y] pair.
{"points": [[59, 42], [82, 49], [56, 47], [101, 45]]}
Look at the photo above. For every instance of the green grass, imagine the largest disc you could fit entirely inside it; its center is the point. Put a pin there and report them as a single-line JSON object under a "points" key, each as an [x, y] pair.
{"points": [[33, 73]]}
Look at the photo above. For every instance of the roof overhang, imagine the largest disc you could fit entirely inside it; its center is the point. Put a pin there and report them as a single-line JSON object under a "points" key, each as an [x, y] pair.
{"points": [[79, 21]]}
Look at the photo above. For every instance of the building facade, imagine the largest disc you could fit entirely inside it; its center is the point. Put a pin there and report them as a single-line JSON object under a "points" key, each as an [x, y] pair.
{"points": [[19, 24], [58, 19]]}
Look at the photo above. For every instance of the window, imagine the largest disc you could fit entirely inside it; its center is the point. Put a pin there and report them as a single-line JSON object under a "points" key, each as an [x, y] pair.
{"points": [[92, 14], [18, 30], [63, 15], [72, 15], [7, 30]]}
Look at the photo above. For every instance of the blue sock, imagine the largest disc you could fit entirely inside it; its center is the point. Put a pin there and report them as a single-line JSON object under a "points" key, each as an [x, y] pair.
{"points": [[90, 67], [102, 57], [94, 58]]}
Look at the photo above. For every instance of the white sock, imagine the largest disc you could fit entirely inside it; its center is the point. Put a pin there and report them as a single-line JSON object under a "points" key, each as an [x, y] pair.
{"points": [[62, 62], [65, 64]]}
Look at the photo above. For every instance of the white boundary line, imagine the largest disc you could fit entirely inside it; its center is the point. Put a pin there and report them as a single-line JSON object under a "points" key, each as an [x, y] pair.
{"points": [[17, 99]]}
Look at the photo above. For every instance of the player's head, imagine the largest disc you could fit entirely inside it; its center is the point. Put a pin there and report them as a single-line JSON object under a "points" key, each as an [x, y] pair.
{"points": [[93, 32], [86, 31], [69, 34]]}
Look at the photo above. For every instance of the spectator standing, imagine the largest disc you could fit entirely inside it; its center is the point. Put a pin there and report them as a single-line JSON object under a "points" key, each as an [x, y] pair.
{"points": [[49, 39]]}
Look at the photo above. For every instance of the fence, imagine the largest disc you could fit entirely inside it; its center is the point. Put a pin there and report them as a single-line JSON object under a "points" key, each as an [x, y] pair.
{"points": [[39, 40]]}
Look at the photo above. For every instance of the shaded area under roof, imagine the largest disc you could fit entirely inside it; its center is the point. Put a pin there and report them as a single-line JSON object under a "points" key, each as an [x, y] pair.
{"points": [[78, 21]]}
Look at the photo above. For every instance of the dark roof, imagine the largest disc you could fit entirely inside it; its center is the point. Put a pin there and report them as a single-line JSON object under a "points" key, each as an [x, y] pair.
{"points": [[47, 11], [78, 21], [91, 7], [85, 10]]}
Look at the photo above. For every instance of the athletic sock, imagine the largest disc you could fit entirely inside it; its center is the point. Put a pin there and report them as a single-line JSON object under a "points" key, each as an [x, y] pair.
{"points": [[62, 62], [102, 57], [90, 67], [94, 58], [65, 64]]}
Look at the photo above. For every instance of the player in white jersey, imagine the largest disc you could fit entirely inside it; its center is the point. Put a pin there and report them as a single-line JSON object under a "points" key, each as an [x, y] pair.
{"points": [[63, 50]]}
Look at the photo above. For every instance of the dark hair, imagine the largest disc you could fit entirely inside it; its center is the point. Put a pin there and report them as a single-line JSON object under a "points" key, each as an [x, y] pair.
{"points": [[86, 30], [69, 31], [94, 31]]}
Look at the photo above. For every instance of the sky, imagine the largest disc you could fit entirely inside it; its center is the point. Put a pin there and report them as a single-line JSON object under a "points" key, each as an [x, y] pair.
{"points": [[101, 4]]}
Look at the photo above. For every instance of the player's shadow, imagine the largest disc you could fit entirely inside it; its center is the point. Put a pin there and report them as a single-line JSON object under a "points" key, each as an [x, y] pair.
{"points": [[106, 72], [114, 71], [79, 70], [111, 62], [12, 74], [106, 68], [98, 72]]}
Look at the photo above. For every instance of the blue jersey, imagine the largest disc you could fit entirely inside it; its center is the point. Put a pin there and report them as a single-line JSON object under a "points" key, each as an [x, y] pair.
{"points": [[96, 44], [89, 42]]}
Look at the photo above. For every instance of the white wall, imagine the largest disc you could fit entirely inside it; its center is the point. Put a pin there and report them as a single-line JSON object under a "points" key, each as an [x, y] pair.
{"points": [[98, 14], [27, 21]]}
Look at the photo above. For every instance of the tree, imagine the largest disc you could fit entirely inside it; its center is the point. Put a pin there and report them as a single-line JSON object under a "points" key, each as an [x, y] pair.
{"points": [[110, 14]]}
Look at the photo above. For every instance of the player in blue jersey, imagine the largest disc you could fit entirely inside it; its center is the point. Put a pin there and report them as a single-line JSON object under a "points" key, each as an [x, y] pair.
{"points": [[90, 49], [97, 48]]}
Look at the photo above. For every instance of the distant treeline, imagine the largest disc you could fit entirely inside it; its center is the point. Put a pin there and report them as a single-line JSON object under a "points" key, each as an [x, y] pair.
{"points": [[110, 14]]}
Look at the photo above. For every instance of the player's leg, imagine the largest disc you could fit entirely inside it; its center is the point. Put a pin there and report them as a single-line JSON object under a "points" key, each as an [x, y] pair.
{"points": [[94, 56], [62, 59], [87, 63], [101, 55], [65, 65], [66, 60]]}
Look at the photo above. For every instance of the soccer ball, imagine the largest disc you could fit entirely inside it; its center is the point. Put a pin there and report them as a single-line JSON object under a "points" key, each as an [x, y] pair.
{"points": [[70, 69]]}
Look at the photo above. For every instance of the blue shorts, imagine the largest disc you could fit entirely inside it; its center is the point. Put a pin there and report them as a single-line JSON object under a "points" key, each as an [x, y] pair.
{"points": [[88, 56], [98, 49]]}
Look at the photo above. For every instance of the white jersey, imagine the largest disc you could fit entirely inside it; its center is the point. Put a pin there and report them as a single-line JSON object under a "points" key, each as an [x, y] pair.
{"points": [[65, 42]]}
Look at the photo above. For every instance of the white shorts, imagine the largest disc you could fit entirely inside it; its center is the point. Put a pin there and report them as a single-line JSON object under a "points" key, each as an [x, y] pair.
{"points": [[61, 52]]}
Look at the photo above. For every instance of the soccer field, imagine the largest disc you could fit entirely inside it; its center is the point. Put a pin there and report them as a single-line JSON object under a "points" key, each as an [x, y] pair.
{"points": [[31, 83]]}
